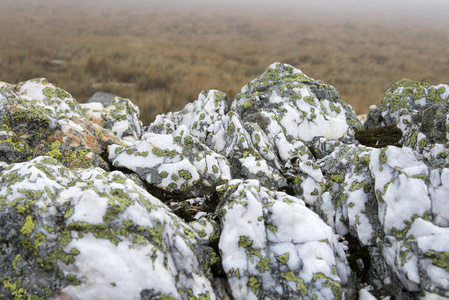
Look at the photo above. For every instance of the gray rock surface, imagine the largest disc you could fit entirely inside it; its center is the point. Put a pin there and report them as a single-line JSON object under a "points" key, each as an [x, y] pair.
{"points": [[101, 97]]}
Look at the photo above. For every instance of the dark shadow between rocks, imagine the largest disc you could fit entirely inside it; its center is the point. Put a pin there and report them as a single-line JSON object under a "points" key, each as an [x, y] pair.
{"points": [[358, 259]]}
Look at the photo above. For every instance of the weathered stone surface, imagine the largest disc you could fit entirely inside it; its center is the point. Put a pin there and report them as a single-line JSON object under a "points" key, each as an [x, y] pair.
{"points": [[91, 234], [269, 197], [101, 97], [420, 110], [296, 105], [119, 115], [244, 145], [38, 118], [282, 250]]}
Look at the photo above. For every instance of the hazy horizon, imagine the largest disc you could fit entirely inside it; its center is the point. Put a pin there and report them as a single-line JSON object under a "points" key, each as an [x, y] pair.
{"points": [[162, 53]]}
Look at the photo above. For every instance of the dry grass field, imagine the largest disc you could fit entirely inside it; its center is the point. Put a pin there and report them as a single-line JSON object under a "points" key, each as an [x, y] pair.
{"points": [[161, 56]]}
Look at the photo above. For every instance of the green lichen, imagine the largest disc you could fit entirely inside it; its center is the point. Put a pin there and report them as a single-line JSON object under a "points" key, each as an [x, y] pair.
{"points": [[245, 242], [335, 108], [337, 178], [188, 142], [28, 227], [309, 100], [356, 185], [383, 156], [272, 227], [98, 230], [185, 174], [55, 152], [172, 186], [254, 284], [69, 212], [15, 288], [284, 258], [65, 238], [231, 129], [164, 152], [51, 92], [289, 276], [335, 285], [423, 143], [118, 202], [302, 287], [439, 259], [14, 263], [73, 280], [31, 194], [262, 265], [50, 262]]}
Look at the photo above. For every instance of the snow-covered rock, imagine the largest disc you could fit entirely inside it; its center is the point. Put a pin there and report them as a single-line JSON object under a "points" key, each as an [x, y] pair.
{"points": [[91, 234], [272, 196], [38, 118], [273, 246]]}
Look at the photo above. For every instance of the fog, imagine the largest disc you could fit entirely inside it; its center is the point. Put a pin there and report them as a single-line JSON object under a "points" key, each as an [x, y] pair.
{"points": [[183, 46], [417, 11]]}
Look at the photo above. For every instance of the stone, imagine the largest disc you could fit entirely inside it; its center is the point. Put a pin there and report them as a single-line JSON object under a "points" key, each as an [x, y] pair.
{"points": [[38, 118], [64, 231], [281, 193], [420, 110], [101, 97], [282, 250], [120, 116], [296, 105]]}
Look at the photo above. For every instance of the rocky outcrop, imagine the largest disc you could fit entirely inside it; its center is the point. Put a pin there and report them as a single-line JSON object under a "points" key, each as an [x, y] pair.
{"points": [[281, 194]]}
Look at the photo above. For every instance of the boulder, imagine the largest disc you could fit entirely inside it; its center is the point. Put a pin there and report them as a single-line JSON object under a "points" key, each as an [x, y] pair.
{"points": [[282, 250], [38, 119], [281, 194], [420, 110], [91, 234], [101, 97]]}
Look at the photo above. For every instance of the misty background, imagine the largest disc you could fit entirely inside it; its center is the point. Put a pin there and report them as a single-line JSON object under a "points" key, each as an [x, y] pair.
{"points": [[161, 54]]}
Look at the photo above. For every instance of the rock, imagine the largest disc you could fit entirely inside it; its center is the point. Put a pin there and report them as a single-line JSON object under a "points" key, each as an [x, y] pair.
{"points": [[120, 116], [378, 196], [419, 110], [38, 118], [90, 234], [177, 163], [279, 194], [282, 250], [296, 106], [245, 147], [101, 97], [373, 118]]}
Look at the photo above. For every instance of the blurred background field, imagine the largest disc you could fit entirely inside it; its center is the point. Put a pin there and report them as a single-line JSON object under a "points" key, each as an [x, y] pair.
{"points": [[161, 54]]}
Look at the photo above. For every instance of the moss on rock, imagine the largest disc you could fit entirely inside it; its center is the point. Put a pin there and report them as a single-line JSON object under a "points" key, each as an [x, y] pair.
{"points": [[380, 137]]}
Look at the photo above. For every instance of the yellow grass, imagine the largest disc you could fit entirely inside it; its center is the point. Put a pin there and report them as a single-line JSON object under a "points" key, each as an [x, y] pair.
{"points": [[161, 57]]}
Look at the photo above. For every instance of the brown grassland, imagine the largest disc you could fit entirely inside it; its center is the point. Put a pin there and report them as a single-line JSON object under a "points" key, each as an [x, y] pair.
{"points": [[162, 56]]}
